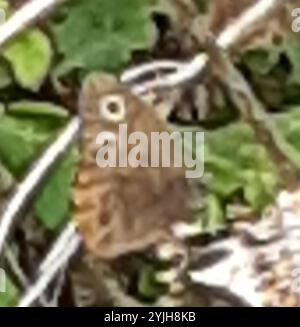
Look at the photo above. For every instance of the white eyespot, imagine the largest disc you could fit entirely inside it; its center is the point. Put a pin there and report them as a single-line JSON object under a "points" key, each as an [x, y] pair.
{"points": [[112, 108]]}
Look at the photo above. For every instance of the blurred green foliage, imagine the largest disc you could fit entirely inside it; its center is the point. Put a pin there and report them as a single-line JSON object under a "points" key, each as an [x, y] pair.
{"points": [[101, 34], [30, 57], [53, 204], [238, 167]]}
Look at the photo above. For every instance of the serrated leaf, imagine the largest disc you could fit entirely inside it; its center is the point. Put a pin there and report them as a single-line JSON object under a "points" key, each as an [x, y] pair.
{"points": [[11, 295], [53, 203], [30, 57], [101, 34]]}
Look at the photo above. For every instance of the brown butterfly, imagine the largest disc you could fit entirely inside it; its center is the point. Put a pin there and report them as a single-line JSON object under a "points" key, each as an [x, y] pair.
{"points": [[123, 209]]}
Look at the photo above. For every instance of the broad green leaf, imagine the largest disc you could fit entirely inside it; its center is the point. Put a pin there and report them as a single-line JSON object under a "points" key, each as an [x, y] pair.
{"points": [[30, 57], [53, 203], [101, 34], [11, 295], [40, 109]]}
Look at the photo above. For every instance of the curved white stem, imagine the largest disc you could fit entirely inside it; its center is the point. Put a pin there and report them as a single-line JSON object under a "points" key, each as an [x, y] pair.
{"points": [[240, 26], [152, 67], [45, 279], [25, 16], [59, 246]]}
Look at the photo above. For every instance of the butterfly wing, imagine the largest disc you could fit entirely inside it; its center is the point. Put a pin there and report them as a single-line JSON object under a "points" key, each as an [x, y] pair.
{"points": [[119, 210]]}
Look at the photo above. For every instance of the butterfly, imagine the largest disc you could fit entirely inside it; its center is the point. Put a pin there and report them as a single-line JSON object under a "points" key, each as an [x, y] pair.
{"points": [[123, 209]]}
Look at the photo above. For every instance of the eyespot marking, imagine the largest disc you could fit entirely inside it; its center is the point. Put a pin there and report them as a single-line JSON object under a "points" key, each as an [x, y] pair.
{"points": [[112, 108]]}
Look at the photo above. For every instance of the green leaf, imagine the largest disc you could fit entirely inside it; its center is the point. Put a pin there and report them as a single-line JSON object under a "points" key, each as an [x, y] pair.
{"points": [[258, 190], [101, 34], [22, 138], [19, 144], [235, 168], [40, 109], [11, 295], [53, 203], [30, 57], [228, 180]]}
